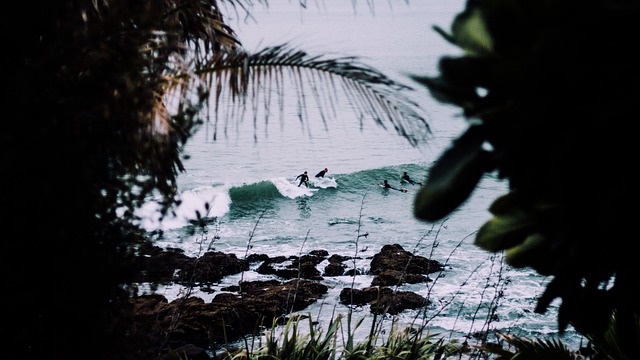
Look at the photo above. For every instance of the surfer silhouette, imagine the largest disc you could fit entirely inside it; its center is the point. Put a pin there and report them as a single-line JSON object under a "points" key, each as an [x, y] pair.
{"points": [[406, 178], [386, 185], [304, 178], [321, 173]]}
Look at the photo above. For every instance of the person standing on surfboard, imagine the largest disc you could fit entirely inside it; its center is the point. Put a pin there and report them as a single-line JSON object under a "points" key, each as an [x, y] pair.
{"points": [[304, 178], [321, 173]]}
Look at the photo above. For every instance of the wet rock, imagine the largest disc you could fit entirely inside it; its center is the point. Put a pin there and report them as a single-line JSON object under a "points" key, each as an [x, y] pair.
{"points": [[334, 269], [158, 266], [394, 257], [383, 300], [189, 324], [364, 296], [302, 268], [212, 267], [397, 302], [173, 266], [395, 278], [191, 321]]}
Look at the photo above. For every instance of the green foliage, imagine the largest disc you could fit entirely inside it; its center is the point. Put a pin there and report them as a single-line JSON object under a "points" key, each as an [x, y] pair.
{"points": [[548, 89], [526, 349], [610, 347], [316, 344], [410, 344]]}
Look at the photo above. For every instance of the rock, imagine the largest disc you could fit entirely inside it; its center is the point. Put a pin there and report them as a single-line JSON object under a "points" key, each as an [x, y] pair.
{"points": [[303, 268], [212, 267], [394, 257], [390, 277], [364, 296], [191, 321], [333, 269], [187, 325], [383, 300], [397, 302]]}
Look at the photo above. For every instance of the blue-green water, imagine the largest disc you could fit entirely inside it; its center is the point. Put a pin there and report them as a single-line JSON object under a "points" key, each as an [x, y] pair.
{"points": [[255, 205]]}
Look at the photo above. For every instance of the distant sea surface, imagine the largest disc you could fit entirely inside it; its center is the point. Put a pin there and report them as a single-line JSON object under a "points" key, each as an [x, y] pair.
{"points": [[247, 175]]}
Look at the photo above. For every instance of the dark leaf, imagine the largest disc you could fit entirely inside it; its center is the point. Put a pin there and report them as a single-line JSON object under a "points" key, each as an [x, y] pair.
{"points": [[453, 177]]}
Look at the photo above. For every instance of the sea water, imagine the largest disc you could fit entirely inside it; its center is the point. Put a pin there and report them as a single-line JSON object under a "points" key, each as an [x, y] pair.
{"points": [[243, 182]]}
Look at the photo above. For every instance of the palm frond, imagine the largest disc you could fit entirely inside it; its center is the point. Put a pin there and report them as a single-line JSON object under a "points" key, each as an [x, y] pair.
{"points": [[238, 80], [551, 349], [201, 26]]}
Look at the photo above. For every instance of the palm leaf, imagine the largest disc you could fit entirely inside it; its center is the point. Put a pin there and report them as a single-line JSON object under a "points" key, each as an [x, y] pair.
{"points": [[239, 80], [527, 349], [453, 177]]}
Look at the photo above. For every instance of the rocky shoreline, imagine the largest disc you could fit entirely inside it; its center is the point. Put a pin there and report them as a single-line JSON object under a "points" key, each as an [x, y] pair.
{"points": [[189, 326]]}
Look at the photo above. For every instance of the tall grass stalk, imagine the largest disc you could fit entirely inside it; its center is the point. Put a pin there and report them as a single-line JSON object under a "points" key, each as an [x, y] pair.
{"points": [[349, 342]]}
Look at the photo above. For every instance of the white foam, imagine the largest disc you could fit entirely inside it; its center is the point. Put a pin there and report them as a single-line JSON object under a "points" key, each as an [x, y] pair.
{"points": [[324, 182], [191, 202], [292, 190]]}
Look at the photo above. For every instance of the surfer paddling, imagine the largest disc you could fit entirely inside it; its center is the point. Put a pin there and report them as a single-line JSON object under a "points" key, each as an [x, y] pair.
{"points": [[386, 185], [406, 178]]}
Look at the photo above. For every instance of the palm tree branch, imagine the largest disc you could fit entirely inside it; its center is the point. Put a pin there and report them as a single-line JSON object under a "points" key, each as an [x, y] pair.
{"points": [[367, 90]]}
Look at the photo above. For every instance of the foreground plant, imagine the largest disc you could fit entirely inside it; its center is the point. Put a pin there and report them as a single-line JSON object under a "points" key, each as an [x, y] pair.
{"points": [[290, 343], [557, 125], [533, 349]]}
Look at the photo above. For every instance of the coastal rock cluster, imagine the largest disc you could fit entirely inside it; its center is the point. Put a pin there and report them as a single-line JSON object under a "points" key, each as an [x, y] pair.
{"points": [[188, 325]]}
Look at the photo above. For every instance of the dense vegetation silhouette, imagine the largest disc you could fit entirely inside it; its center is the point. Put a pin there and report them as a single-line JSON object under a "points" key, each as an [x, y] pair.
{"points": [[547, 89], [100, 98]]}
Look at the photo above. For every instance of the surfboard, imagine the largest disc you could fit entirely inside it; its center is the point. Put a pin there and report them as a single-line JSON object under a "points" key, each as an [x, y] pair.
{"points": [[402, 189]]}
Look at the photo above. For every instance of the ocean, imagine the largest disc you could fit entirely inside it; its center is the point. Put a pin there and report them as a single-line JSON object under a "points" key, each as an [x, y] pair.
{"points": [[243, 182]]}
